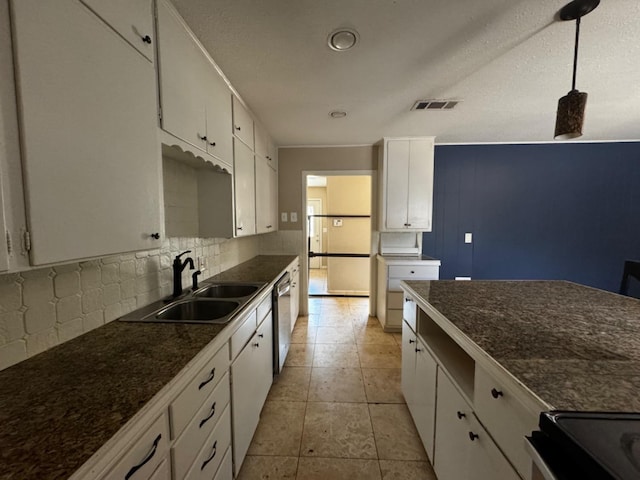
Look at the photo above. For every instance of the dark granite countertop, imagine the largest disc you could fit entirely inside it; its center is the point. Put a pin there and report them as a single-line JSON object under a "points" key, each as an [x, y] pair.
{"points": [[575, 347], [59, 407]]}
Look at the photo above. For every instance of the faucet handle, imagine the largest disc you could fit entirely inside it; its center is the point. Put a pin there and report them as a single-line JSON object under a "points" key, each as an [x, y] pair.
{"points": [[183, 253]]}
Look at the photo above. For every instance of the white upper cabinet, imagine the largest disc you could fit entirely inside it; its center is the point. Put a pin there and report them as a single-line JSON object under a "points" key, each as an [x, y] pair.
{"points": [[245, 190], [406, 184], [133, 19], [89, 134], [242, 123], [265, 147], [195, 100], [266, 196]]}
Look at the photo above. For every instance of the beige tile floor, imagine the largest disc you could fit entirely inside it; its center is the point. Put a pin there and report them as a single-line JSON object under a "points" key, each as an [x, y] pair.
{"points": [[336, 411]]}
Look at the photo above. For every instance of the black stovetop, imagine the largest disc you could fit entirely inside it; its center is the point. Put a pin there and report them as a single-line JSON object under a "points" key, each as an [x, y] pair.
{"points": [[594, 444]]}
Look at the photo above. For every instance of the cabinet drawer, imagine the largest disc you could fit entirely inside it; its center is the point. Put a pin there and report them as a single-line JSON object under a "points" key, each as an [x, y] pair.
{"points": [[505, 418], [145, 455], [225, 471], [263, 309], [486, 461], [243, 334], [210, 457], [163, 472], [421, 272], [410, 312], [201, 425], [189, 400], [395, 300]]}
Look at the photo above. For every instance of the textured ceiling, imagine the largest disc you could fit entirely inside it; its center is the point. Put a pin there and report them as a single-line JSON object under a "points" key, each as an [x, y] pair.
{"points": [[508, 61]]}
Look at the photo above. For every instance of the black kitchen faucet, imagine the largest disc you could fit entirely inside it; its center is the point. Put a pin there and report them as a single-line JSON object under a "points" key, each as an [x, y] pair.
{"points": [[178, 267]]}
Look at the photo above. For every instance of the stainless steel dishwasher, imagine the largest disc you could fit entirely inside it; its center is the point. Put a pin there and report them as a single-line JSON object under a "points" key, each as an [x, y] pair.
{"points": [[281, 321]]}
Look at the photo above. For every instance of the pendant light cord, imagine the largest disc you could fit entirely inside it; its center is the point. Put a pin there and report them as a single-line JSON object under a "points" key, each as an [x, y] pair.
{"points": [[575, 54]]}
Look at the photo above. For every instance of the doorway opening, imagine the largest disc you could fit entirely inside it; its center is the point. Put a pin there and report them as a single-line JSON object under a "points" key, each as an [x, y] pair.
{"points": [[338, 227]]}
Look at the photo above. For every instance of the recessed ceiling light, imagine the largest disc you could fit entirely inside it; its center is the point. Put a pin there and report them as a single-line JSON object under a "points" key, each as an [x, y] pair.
{"points": [[338, 114], [342, 39]]}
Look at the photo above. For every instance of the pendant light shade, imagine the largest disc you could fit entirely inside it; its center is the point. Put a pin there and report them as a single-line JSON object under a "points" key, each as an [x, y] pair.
{"points": [[570, 116], [571, 107]]}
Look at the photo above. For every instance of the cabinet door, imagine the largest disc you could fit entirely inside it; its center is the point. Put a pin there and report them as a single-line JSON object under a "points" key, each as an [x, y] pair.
{"points": [[217, 98], [452, 443], [425, 397], [245, 395], [133, 19], [266, 190], [397, 184], [408, 372], [182, 68], [486, 462], [420, 186], [265, 358], [261, 141], [90, 147], [245, 193], [242, 123]]}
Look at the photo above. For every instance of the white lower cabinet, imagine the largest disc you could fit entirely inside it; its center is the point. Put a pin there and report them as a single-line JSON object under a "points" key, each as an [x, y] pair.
{"points": [[202, 424], [163, 472], [210, 456], [225, 471], [251, 374], [419, 385], [144, 456], [295, 294]]}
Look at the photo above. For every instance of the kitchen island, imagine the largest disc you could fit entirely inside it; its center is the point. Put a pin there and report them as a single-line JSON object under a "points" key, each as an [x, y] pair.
{"points": [[512, 349], [59, 408]]}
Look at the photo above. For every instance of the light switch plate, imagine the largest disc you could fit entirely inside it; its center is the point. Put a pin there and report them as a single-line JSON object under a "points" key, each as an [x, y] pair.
{"points": [[294, 217], [468, 237], [283, 217]]}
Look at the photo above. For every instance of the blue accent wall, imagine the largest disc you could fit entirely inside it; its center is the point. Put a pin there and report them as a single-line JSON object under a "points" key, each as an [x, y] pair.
{"points": [[567, 211]]}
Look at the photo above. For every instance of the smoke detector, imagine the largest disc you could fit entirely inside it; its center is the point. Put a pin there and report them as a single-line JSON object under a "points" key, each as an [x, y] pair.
{"points": [[435, 104]]}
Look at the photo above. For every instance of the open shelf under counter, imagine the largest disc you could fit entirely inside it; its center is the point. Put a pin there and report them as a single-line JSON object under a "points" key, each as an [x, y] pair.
{"points": [[449, 355]]}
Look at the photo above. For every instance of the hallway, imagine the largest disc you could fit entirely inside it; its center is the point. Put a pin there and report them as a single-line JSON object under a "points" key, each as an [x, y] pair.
{"points": [[336, 411]]}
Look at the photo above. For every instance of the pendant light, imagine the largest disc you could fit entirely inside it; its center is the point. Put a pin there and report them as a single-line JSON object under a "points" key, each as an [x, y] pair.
{"points": [[570, 115]]}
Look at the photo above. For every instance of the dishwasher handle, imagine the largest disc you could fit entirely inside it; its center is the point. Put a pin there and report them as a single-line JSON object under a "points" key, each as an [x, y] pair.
{"points": [[283, 286]]}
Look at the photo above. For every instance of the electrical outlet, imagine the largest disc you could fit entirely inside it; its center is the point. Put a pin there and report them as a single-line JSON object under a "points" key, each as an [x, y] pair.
{"points": [[283, 217], [294, 217]]}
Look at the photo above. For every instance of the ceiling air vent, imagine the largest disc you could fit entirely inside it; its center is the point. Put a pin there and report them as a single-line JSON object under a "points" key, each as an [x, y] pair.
{"points": [[435, 104]]}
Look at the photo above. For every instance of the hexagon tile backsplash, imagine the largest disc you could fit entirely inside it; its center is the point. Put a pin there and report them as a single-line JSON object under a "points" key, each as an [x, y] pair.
{"points": [[45, 307]]}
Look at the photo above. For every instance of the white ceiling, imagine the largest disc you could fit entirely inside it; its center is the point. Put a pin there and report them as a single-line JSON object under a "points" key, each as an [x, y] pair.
{"points": [[508, 61]]}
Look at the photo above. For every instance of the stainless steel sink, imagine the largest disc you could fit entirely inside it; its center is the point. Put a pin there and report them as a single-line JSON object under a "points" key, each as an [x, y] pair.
{"points": [[195, 310], [228, 290], [214, 303]]}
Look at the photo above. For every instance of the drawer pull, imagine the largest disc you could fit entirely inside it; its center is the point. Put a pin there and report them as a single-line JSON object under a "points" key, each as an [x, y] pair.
{"points": [[146, 459], [407, 299], [215, 446], [473, 436], [418, 349], [146, 39], [411, 341], [256, 344], [261, 335], [213, 412], [212, 375], [407, 224], [461, 415], [412, 272], [496, 393]]}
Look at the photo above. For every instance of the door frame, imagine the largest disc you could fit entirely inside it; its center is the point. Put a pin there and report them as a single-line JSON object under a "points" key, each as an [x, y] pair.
{"points": [[321, 233], [304, 260]]}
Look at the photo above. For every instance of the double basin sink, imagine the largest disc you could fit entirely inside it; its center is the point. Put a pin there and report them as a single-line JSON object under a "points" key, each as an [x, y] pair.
{"points": [[213, 303]]}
